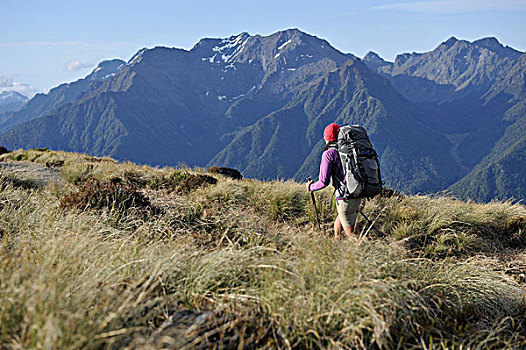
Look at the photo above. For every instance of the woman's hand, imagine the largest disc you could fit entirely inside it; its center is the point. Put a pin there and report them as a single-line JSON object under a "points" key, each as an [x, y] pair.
{"points": [[308, 185]]}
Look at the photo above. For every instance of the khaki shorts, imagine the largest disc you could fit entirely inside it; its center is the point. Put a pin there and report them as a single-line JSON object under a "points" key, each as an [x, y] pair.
{"points": [[348, 210]]}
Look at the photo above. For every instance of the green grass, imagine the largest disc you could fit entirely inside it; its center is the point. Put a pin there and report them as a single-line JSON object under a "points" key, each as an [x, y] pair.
{"points": [[240, 264]]}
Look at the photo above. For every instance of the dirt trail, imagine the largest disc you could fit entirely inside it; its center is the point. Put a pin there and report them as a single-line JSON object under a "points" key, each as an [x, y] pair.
{"points": [[39, 173]]}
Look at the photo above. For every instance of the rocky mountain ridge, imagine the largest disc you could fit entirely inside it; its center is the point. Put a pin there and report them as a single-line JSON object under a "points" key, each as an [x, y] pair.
{"points": [[41, 104]]}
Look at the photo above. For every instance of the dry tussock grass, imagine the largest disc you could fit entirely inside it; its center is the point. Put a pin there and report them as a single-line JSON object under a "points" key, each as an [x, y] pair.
{"points": [[442, 226], [239, 264]]}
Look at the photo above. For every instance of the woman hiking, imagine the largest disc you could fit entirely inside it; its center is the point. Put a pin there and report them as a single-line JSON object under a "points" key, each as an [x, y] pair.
{"points": [[332, 172]]}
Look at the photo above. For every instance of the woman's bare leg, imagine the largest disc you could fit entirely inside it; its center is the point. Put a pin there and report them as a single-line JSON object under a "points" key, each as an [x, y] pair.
{"points": [[348, 231], [337, 227]]}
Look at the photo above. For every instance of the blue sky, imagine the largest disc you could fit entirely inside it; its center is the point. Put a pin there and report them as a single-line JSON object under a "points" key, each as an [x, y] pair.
{"points": [[45, 43]]}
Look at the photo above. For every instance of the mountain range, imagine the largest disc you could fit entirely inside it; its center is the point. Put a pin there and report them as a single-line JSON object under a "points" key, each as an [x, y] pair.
{"points": [[449, 119], [42, 104]]}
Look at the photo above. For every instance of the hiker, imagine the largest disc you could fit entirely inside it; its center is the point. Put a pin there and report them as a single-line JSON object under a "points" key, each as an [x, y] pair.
{"points": [[332, 172]]}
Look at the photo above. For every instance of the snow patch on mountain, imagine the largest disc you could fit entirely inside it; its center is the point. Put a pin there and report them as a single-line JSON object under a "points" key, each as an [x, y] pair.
{"points": [[11, 101], [12, 96], [285, 44], [106, 69], [137, 57], [231, 47], [243, 95]]}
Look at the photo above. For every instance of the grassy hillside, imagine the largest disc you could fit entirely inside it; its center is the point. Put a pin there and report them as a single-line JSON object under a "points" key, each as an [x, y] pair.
{"points": [[112, 255]]}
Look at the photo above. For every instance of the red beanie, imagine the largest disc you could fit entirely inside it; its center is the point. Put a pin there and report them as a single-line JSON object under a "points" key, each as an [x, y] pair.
{"points": [[331, 132]]}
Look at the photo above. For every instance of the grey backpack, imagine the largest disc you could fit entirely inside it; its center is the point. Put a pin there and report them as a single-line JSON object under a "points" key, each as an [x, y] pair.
{"points": [[360, 162]]}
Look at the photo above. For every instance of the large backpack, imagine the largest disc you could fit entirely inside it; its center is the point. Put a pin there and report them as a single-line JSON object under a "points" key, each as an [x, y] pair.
{"points": [[360, 162]]}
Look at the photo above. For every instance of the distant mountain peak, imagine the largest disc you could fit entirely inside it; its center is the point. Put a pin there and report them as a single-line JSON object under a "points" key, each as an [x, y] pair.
{"points": [[293, 30], [229, 48], [106, 69], [404, 57], [489, 41], [450, 42], [217, 50], [373, 57], [236, 39], [11, 101], [293, 33], [375, 62], [492, 44], [12, 96], [283, 50]]}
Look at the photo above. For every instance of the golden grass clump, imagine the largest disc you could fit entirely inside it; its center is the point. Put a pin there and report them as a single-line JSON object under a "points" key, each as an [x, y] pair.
{"points": [[441, 226]]}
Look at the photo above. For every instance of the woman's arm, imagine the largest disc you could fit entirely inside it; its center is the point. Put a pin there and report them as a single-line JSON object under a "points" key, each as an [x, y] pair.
{"points": [[324, 178]]}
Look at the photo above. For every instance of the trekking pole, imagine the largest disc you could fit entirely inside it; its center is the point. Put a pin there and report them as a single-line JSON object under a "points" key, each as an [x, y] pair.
{"points": [[314, 204], [379, 233]]}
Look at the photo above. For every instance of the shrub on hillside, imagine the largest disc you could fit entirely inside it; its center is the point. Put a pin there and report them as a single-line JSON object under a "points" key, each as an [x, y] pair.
{"points": [[195, 181], [228, 172], [55, 163], [179, 181], [182, 182], [97, 194]]}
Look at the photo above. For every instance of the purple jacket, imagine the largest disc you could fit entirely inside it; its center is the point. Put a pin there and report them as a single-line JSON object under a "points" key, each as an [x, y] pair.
{"points": [[330, 167]]}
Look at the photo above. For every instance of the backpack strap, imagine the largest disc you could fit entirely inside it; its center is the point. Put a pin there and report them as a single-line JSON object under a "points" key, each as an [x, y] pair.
{"points": [[338, 182]]}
